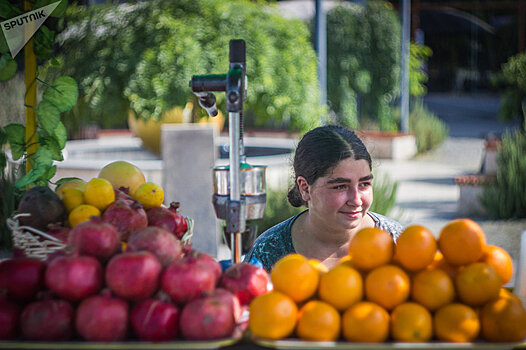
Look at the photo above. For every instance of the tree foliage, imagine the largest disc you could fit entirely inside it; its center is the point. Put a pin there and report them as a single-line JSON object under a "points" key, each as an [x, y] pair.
{"points": [[142, 57], [513, 103]]}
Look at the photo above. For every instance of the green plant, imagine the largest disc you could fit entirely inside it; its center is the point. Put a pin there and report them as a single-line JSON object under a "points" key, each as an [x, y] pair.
{"points": [[384, 189], [505, 199], [363, 64], [142, 56], [429, 130], [512, 101], [40, 144]]}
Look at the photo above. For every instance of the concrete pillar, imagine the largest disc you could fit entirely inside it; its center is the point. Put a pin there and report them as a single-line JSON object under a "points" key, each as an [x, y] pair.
{"points": [[189, 154]]}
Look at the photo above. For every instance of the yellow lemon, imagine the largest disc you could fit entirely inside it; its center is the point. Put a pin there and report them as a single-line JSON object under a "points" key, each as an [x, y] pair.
{"points": [[99, 193], [82, 213], [149, 195], [74, 183], [72, 198]]}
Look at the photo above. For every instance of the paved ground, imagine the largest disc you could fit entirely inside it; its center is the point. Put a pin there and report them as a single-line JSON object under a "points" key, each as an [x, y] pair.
{"points": [[427, 194]]}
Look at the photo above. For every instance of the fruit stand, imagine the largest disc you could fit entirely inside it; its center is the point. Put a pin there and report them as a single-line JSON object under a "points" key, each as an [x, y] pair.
{"points": [[104, 264]]}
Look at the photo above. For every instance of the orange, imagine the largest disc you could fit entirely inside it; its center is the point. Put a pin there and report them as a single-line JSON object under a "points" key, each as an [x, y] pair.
{"points": [[441, 263], [365, 322], [411, 322], [461, 241], [432, 288], [477, 284], [370, 248], [341, 287], [457, 323], [318, 265], [318, 321], [272, 315], [99, 193], [72, 198], [73, 183], [123, 174], [294, 276], [503, 319], [415, 248], [500, 260], [388, 286]]}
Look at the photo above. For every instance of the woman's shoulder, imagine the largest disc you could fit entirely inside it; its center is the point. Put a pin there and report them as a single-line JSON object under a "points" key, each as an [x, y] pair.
{"points": [[387, 224]]}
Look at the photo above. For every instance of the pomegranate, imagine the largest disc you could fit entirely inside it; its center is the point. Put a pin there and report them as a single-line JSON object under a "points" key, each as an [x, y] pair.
{"points": [[95, 238], [58, 231], [155, 320], [208, 261], [133, 276], [122, 193], [207, 318], [170, 219], [157, 241], [246, 281], [22, 278], [9, 318], [47, 320], [102, 318], [187, 279], [228, 298], [74, 277], [126, 215]]}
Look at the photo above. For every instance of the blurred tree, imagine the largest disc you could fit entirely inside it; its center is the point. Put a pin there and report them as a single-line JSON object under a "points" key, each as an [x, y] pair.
{"points": [[142, 56], [513, 104]]}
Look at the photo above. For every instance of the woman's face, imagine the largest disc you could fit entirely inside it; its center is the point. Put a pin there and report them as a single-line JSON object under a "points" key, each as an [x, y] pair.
{"points": [[341, 199]]}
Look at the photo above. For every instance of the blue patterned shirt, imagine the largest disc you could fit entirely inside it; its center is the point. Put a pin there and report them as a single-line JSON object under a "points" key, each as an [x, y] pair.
{"points": [[276, 242]]}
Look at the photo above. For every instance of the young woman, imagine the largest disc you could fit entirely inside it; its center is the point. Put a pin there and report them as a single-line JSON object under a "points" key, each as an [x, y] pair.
{"points": [[333, 179]]}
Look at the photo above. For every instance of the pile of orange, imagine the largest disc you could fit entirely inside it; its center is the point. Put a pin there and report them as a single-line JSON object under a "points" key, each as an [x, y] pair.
{"points": [[417, 290]]}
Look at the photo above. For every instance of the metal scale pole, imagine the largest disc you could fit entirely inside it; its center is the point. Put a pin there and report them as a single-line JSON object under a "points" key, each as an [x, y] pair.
{"points": [[233, 83]]}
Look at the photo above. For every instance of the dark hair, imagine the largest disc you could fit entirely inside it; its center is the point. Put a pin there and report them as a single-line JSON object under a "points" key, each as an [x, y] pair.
{"points": [[319, 151]]}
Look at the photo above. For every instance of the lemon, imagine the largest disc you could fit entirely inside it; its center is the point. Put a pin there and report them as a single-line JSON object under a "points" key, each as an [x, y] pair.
{"points": [[99, 193], [82, 213], [149, 195], [72, 198], [74, 183]]}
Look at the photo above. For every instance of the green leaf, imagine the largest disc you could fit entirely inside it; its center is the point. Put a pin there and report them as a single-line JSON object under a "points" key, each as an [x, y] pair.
{"points": [[43, 42], [66, 179], [58, 11], [4, 48], [33, 175], [8, 11], [16, 135], [7, 67], [60, 135], [48, 116], [50, 173], [43, 158], [53, 147], [63, 93]]}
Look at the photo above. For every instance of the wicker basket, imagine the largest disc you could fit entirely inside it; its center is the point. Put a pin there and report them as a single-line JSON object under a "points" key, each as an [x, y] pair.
{"points": [[34, 243]]}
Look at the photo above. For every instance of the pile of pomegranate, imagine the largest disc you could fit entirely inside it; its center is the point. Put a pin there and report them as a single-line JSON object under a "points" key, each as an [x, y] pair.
{"points": [[153, 288]]}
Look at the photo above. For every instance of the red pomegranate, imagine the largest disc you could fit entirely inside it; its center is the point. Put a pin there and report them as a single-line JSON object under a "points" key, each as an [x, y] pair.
{"points": [[74, 277], [22, 278], [58, 231], [155, 320], [47, 320], [127, 216], [95, 238], [208, 261], [157, 241], [170, 219], [246, 281], [102, 318], [207, 318], [187, 279], [228, 298], [133, 276], [9, 318]]}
